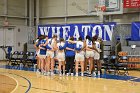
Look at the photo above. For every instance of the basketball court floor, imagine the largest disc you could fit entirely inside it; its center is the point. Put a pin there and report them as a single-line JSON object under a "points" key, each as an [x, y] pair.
{"points": [[14, 80]]}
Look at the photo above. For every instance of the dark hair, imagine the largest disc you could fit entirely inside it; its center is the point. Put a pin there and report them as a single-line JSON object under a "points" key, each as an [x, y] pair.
{"points": [[72, 38], [88, 37], [95, 38], [41, 37], [61, 39], [54, 36], [46, 36], [80, 38]]}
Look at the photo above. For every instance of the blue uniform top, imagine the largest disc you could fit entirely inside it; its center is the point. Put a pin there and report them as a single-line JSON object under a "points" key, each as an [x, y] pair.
{"points": [[79, 45], [42, 51], [68, 53]]}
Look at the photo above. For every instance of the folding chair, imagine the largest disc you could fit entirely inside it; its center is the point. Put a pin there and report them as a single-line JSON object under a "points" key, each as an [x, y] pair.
{"points": [[109, 64], [20, 58], [30, 59], [122, 63], [13, 58]]}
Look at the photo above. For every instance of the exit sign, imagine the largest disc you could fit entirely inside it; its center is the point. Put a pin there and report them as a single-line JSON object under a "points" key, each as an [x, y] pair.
{"points": [[131, 4]]}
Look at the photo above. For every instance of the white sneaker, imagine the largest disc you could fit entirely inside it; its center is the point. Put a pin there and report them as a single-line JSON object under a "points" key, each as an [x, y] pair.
{"points": [[45, 74], [42, 72], [60, 74], [94, 74], [37, 71], [82, 74], [99, 73], [71, 74], [63, 74], [52, 74], [76, 75], [67, 74], [48, 73]]}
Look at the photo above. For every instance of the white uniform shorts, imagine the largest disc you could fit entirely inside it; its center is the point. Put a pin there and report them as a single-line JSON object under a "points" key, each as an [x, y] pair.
{"points": [[50, 54], [42, 56], [37, 52], [89, 54], [60, 56], [96, 55], [80, 56]]}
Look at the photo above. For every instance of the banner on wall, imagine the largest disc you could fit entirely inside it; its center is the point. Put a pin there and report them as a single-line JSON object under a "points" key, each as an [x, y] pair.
{"points": [[135, 31], [131, 4], [65, 31]]}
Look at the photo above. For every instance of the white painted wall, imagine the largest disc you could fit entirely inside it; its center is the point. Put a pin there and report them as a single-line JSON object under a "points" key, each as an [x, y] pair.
{"points": [[16, 7], [53, 12], [21, 37]]}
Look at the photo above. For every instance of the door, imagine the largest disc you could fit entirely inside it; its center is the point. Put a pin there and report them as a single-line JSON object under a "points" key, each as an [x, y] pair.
{"points": [[6, 39]]}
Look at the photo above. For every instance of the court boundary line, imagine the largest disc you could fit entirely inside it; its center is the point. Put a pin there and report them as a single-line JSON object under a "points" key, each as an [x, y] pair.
{"points": [[17, 84], [29, 87]]}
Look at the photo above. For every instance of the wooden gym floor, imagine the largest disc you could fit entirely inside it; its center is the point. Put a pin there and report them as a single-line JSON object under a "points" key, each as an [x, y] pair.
{"points": [[19, 81]]}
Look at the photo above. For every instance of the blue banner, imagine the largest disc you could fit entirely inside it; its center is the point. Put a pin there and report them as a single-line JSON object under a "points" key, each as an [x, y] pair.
{"points": [[65, 31], [135, 31]]}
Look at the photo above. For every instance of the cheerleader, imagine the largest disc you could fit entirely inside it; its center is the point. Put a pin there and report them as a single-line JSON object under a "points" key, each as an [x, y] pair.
{"points": [[89, 56], [79, 57], [61, 56], [42, 54], [97, 53], [52, 43], [37, 52]]}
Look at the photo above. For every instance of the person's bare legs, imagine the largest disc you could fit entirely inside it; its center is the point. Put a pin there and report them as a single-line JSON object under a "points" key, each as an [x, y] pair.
{"points": [[82, 68], [76, 67]]}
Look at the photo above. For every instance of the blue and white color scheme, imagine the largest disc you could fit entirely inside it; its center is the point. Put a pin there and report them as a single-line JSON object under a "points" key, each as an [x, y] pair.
{"points": [[65, 31], [135, 31]]}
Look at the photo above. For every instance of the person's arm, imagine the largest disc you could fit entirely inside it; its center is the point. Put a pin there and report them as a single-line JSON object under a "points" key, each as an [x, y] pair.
{"points": [[40, 47], [71, 41], [55, 45], [94, 48], [46, 43], [48, 47], [36, 45], [63, 47], [67, 48]]}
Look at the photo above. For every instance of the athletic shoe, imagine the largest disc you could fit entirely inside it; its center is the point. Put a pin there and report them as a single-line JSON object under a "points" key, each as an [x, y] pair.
{"points": [[82, 74], [99, 73], [45, 73], [52, 74], [67, 74], [76, 75], [48, 73], [63, 74], [71, 74], [60, 74], [94, 74]]}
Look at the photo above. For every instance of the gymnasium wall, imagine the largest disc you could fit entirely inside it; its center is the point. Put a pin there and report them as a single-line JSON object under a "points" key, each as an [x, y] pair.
{"points": [[56, 12], [53, 11], [14, 11]]}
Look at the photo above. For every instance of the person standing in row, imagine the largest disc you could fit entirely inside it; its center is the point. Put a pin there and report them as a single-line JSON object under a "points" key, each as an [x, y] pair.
{"points": [[79, 57], [61, 56], [50, 54], [70, 56], [90, 56]]}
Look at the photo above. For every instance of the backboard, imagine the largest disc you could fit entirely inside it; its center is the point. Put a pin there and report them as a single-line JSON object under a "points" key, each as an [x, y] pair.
{"points": [[112, 6]]}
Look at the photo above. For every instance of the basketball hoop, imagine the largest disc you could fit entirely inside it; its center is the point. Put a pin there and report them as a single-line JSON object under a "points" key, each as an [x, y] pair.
{"points": [[100, 11]]}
